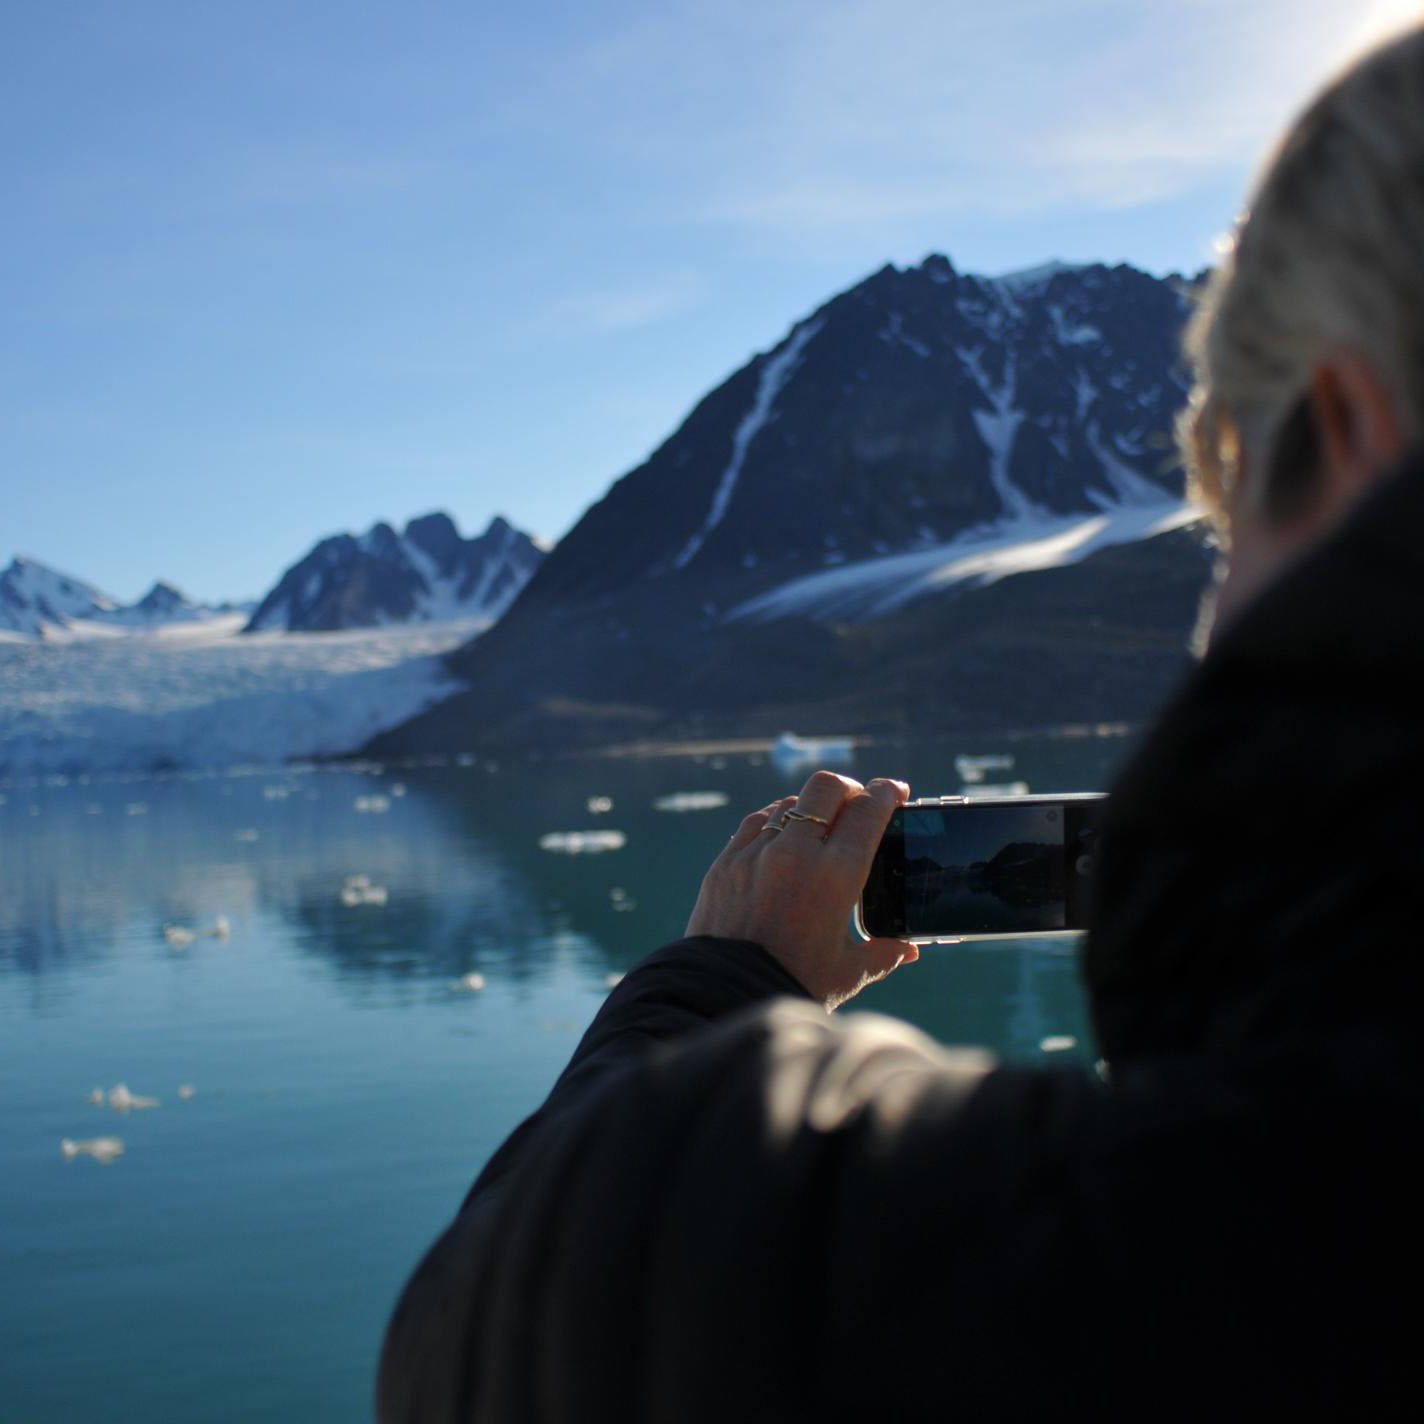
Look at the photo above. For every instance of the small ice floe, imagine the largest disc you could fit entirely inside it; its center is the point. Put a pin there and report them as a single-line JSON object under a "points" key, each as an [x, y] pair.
{"points": [[582, 842], [681, 801], [971, 769], [136, 808], [397, 788], [276, 793], [358, 890], [96, 1096], [220, 928], [122, 1101], [372, 805], [465, 759], [101, 1149], [470, 983], [789, 750], [1057, 1043], [246, 836], [613, 980], [621, 900], [179, 936], [186, 1091], [599, 805], [995, 788], [93, 809]]}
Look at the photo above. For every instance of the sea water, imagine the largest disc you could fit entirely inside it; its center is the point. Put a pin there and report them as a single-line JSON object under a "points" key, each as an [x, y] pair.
{"points": [[343, 987]]}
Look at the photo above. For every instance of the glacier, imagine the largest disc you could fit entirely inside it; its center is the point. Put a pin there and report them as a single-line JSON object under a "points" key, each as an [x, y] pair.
{"points": [[196, 695]]}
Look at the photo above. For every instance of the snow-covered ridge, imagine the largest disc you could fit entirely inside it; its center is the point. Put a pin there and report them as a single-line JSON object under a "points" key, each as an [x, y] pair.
{"points": [[40, 602]]}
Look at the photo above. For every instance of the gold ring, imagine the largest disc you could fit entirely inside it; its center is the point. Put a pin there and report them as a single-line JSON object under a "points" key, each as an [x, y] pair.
{"points": [[806, 816], [771, 826]]}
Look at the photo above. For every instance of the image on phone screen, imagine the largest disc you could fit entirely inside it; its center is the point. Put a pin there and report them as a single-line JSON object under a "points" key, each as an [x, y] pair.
{"points": [[984, 869]]}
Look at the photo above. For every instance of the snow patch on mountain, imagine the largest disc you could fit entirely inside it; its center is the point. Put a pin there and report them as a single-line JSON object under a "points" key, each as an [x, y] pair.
{"points": [[874, 588]]}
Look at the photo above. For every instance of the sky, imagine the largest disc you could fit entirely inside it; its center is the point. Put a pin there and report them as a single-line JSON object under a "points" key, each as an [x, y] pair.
{"points": [[270, 271]]}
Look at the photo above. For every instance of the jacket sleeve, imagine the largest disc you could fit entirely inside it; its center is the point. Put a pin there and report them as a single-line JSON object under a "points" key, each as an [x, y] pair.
{"points": [[672, 993]]}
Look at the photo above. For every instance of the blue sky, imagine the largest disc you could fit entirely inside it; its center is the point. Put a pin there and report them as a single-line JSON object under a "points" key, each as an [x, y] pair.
{"points": [[273, 270]]}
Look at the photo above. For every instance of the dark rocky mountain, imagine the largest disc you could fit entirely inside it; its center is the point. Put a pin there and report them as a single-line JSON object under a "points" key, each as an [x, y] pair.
{"points": [[428, 573], [943, 500]]}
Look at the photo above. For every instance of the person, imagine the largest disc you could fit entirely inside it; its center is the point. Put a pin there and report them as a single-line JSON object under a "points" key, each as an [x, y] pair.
{"points": [[736, 1206]]}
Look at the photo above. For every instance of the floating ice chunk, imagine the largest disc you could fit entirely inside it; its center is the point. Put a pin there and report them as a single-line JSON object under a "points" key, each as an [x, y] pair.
{"points": [[621, 900], [470, 983], [972, 768], [691, 801], [221, 929], [178, 936], [999, 788], [1058, 1043], [101, 1149], [613, 980], [276, 793], [582, 842], [358, 890], [599, 805], [465, 759], [247, 837], [121, 1100], [789, 750], [93, 809], [135, 808], [96, 1096], [186, 1091], [372, 805]]}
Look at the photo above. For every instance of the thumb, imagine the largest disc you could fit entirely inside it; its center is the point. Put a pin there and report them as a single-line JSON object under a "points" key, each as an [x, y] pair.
{"points": [[883, 955]]}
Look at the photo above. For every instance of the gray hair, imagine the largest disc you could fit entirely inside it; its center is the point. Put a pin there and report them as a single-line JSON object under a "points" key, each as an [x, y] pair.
{"points": [[1329, 255]]}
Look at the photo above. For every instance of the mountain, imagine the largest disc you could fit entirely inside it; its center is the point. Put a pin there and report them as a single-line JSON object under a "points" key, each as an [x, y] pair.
{"points": [[942, 500], [427, 574], [39, 602], [35, 600], [162, 604]]}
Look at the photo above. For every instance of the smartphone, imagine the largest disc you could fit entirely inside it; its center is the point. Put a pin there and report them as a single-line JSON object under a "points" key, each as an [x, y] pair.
{"points": [[954, 868]]}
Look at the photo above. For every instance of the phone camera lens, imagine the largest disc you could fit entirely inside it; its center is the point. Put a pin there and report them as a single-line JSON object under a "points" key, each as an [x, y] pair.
{"points": [[1084, 865]]}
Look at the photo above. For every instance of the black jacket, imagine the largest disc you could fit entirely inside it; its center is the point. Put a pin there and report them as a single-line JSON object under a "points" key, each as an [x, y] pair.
{"points": [[733, 1207]]}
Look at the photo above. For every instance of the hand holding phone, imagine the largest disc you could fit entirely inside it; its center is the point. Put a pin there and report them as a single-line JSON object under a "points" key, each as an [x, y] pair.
{"points": [[951, 868]]}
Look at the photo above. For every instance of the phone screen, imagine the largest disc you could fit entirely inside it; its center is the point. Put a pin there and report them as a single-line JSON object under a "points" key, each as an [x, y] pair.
{"points": [[1013, 867]]}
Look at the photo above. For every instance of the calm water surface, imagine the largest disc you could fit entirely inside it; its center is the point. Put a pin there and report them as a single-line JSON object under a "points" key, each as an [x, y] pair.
{"points": [[341, 1084]]}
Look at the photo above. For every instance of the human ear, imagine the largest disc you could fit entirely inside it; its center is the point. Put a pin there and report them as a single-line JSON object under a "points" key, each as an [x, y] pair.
{"points": [[1357, 427]]}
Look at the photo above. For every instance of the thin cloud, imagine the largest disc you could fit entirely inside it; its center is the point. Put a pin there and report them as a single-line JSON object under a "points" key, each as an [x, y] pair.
{"points": [[811, 116]]}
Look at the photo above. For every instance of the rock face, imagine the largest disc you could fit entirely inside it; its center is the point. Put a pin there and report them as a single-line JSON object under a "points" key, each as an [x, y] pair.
{"points": [[35, 600], [427, 574], [928, 459]]}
